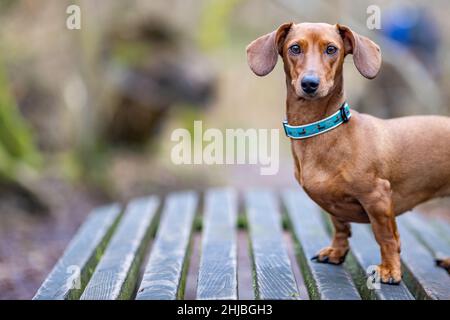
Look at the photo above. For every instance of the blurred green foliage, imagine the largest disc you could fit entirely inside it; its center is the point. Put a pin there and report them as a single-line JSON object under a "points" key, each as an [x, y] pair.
{"points": [[6, 4], [133, 53], [17, 149], [215, 22]]}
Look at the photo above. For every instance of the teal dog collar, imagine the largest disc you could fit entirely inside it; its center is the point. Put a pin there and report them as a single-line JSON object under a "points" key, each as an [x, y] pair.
{"points": [[313, 129]]}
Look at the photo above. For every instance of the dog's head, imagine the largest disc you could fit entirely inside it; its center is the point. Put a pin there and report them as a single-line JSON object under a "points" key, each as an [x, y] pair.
{"points": [[313, 55]]}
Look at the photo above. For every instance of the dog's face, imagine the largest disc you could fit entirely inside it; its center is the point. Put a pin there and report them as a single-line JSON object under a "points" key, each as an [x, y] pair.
{"points": [[313, 55]]}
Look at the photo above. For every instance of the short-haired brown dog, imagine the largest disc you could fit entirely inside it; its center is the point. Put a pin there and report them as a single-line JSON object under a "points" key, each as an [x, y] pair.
{"points": [[367, 170]]}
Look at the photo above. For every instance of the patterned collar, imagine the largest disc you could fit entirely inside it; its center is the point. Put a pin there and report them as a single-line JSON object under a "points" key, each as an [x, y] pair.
{"points": [[309, 130]]}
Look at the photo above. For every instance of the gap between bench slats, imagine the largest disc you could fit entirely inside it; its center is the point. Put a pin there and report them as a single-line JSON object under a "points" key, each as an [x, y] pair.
{"points": [[274, 277], [423, 277], [427, 233], [324, 281], [73, 270], [218, 263], [164, 274], [116, 274]]}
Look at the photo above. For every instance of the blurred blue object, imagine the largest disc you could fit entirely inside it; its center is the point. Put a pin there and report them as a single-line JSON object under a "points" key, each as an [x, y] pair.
{"points": [[415, 29]]}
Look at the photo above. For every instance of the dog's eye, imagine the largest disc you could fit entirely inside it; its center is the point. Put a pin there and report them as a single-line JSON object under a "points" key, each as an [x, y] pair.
{"points": [[295, 49], [331, 50]]}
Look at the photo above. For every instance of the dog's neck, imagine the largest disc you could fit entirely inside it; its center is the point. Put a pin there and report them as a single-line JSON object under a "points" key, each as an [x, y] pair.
{"points": [[301, 111]]}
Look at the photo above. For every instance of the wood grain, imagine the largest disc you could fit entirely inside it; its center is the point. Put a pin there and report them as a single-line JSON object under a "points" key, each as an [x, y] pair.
{"points": [[273, 271], [443, 228], [365, 253], [103, 259], [116, 274], [217, 277], [324, 281], [74, 269], [427, 233], [420, 273], [163, 275]]}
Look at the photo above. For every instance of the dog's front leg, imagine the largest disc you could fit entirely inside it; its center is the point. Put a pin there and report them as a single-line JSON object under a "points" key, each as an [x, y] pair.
{"points": [[335, 254], [378, 205]]}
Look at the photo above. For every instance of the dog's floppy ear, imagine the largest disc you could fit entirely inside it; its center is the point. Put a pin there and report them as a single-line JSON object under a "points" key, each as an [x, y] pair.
{"points": [[262, 53], [366, 53]]}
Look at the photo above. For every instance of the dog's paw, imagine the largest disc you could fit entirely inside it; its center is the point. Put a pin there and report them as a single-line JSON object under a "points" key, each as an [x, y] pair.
{"points": [[331, 255], [444, 263], [389, 275]]}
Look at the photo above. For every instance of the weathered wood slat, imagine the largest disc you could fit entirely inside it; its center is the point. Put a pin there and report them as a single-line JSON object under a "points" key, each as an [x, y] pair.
{"points": [[273, 271], [428, 234], [365, 253], [73, 270], [324, 281], [217, 277], [443, 228], [103, 258], [165, 271], [423, 278], [116, 274]]}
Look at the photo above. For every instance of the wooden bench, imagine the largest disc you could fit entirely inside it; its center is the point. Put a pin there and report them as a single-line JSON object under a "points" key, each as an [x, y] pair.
{"points": [[143, 251]]}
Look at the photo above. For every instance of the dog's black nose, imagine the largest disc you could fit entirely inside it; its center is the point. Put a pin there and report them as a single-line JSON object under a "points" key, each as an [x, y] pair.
{"points": [[310, 84]]}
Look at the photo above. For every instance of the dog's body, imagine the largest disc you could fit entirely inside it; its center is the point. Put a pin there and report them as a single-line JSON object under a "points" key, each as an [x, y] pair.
{"points": [[339, 167], [367, 170]]}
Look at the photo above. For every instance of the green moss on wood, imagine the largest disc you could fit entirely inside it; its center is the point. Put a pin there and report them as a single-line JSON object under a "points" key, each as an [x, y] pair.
{"points": [[88, 270]]}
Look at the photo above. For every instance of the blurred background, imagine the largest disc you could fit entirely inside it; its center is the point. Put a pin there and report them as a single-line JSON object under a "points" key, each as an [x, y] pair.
{"points": [[86, 115]]}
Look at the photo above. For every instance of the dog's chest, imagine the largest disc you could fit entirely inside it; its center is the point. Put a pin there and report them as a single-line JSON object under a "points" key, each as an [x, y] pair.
{"points": [[322, 184], [331, 191]]}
